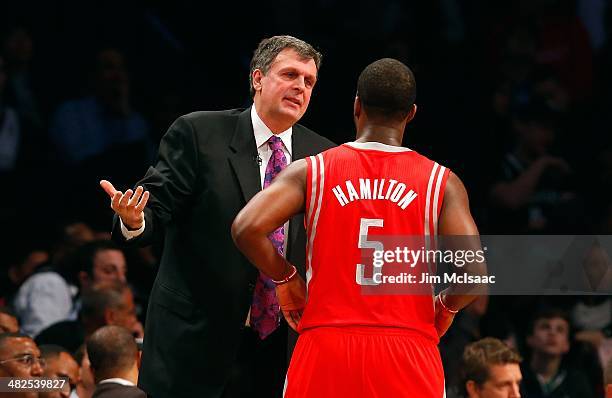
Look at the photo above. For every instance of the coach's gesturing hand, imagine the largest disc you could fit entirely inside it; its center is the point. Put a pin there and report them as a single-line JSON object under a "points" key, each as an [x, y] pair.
{"points": [[129, 206], [292, 300]]}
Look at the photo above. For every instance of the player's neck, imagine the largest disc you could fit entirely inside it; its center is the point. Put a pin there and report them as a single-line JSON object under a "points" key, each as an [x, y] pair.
{"points": [[384, 135]]}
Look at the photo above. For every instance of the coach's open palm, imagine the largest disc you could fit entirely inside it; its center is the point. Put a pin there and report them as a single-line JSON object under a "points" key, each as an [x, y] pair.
{"points": [[292, 300], [129, 205]]}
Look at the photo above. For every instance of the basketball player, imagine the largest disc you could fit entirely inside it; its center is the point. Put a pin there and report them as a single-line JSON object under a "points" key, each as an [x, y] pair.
{"points": [[352, 344]]}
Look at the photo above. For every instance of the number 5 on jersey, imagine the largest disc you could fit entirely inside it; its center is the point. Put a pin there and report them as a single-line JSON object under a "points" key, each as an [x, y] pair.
{"points": [[364, 243]]}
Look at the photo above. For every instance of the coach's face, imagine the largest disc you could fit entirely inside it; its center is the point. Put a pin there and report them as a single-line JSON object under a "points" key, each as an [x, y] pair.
{"points": [[282, 95]]}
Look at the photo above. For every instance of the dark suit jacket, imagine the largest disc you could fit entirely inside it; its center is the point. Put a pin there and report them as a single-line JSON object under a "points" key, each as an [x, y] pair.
{"points": [[206, 172], [116, 390]]}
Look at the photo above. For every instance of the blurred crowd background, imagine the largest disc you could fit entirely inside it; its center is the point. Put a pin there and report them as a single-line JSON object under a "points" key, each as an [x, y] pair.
{"points": [[513, 96]]}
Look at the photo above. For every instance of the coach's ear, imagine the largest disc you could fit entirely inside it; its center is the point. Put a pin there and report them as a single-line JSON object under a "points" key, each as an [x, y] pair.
{"points": [[256, 79]]}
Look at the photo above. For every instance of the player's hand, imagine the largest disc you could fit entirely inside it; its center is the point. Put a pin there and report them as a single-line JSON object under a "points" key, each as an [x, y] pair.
{"points": [[129, 205], [292, 300], [443, 318]]}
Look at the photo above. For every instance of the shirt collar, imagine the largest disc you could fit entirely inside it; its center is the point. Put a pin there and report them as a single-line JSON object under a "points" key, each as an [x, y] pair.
{"points": [[118, 380], [263, 133]]}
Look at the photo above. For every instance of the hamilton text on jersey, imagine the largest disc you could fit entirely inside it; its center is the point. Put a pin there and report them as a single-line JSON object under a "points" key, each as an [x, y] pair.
{"points": [[374, 189]]}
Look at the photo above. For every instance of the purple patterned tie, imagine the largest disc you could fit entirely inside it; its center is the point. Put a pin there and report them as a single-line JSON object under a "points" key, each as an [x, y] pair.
{"points": [[265, 309]]}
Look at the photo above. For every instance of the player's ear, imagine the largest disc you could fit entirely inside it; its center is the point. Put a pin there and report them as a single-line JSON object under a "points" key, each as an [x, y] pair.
{"points": [[357, 107], [411, 113]]}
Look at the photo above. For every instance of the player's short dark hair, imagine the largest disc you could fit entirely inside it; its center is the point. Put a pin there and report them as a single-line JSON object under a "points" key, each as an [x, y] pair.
{"points": [[269, 48], [478, 356], [387, 89], [111, 349], [49, 351], [548, 313]]}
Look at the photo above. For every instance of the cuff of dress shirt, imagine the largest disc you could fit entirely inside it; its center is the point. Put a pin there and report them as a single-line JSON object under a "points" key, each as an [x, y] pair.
{"points": [[127, 234]]}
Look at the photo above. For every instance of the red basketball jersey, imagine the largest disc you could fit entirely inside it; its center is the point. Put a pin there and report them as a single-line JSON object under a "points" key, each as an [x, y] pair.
{"points": [[356, 192]]}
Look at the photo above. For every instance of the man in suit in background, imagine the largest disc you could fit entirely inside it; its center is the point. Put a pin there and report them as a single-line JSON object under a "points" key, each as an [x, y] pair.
{"points": [[114, 359], [59, 363], [20, 358], [213, 325]]}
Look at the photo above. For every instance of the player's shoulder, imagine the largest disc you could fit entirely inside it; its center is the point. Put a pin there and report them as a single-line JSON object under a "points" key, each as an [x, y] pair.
{"points": [[427, 161]]}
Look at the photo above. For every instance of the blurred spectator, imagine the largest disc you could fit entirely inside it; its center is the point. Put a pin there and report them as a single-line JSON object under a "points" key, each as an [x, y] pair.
{"points": [[490, 369], [546, 374], [608, 379], [533, 192], [19, 357], [9, 129], [465, 330], [73, 235], [91, 133], [115, 360], [47, 297], [19, 49], [86, 385], [97, 126], [105, 303], [8, 321], [563, 45], [592, 14], [592, 318], [59, 363], [21, 260]]}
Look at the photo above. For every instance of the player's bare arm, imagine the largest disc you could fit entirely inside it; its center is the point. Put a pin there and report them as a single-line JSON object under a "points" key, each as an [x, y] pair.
{"points": [[267, 211], [456, 219]]}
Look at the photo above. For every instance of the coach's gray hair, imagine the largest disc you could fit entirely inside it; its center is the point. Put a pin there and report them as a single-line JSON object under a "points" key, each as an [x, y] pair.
{"points": [[269, 48]]}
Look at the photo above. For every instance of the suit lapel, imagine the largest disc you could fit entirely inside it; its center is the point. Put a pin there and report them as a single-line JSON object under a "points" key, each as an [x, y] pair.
{"points": [[243, 158], [299, 146]]}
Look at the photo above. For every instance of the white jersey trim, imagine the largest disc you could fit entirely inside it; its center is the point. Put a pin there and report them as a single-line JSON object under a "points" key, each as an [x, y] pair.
{"points": [[313, 227], [428, 198], [436, 197], [313, 188], [378, 146]]}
